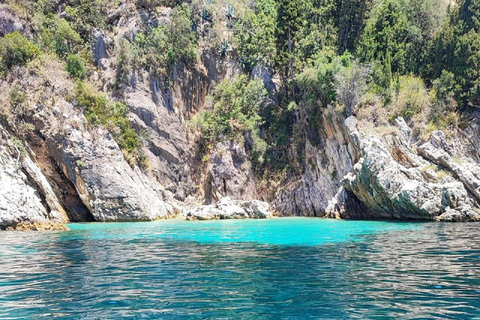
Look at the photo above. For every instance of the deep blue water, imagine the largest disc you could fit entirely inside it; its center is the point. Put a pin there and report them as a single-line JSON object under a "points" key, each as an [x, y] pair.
{"points": [[292, 268]]}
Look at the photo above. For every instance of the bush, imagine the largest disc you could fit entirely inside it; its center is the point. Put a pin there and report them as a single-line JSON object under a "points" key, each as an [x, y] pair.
{"points": [[235, 115], [257, 46], [351, 85], [317, 84], [412, 97], [17, 101], [126, 59], [165, 45], [16, 49], [86, 15], [57, 35], [76, 67]]}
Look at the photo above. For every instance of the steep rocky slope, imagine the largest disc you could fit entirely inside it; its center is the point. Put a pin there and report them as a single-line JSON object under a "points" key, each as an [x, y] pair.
{"points": [[73, 170]]}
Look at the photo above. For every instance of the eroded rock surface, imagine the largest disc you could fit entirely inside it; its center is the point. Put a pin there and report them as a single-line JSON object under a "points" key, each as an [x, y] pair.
{"points": [[328, 160], [20, 198], [396, 179], [230, 173], [230, 209]]}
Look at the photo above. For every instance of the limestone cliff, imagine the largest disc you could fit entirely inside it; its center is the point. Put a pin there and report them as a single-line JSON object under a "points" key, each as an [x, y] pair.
{"points": [[74, 170]]}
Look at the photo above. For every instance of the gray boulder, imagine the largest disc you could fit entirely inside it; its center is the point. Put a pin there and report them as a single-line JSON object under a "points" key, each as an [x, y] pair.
{"points": [[9, 23], [100, 46], [230, 209]]}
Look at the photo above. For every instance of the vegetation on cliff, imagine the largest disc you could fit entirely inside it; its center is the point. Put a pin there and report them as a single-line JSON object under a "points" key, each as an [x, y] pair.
{"points": [[377, 59]]}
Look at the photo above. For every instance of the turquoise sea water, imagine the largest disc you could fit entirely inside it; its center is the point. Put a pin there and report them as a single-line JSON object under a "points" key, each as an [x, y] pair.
{"points": [[292, 268]]}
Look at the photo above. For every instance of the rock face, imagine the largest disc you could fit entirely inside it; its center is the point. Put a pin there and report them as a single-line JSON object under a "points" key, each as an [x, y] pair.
{"points": [[89, 158], [395, 179], [358, 174], [230, 173], [100, 46], [230, 209], [327, 161], [75, 171], [8, 22], [21, 202], [107, 185]]}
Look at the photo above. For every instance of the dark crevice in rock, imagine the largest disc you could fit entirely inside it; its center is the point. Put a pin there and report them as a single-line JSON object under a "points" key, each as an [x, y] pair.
{"points": [[62, 186]]}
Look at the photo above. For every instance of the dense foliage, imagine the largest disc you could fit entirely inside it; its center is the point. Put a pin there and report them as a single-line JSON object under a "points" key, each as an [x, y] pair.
{"points": [[76, 67], [16, 49], [419, 59], [235, 115]]}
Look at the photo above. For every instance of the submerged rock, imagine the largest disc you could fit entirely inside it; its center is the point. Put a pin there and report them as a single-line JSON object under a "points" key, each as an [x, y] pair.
{"points": [[230, 209]]}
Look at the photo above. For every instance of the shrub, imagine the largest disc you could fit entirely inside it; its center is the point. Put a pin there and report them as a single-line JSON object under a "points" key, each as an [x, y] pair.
{"points": [[126, 59], [317, 84], [57, 35], [235, 115], [86, 15], [257, 46], [76, 67], [165, 45], [17, 97], [444, 106], [412, 97], [351, 85], [16, 49]]}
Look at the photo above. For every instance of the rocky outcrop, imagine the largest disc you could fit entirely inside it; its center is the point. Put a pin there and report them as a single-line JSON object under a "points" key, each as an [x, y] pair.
{"points": [[100, 46], [327, 160], [8, 22], [105, 182], [364, 172], [230, 209], [394, 179], [464, 169], [21, 200], [88, 156], [230, 173]]}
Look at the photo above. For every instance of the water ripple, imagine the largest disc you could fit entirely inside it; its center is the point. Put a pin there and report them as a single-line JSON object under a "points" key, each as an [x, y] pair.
{"points": [[284, 269]]}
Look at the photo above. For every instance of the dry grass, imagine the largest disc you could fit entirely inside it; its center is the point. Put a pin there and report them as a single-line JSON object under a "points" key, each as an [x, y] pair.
{"points": [[442, 174]]}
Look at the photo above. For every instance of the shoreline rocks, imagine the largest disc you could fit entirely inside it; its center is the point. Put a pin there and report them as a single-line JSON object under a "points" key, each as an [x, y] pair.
{"points": [[38, 226], [230, 209]]}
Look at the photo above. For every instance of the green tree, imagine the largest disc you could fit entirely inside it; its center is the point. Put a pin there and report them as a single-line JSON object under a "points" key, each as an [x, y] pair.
{"points": [[387, 35], [351, 21], [291, 19], [182, 40], [16, 49], [458, 51], [59, 36], [161, 47], [86, 15], [76, 67], [235, 115], [403, 31], [255, 35]]}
